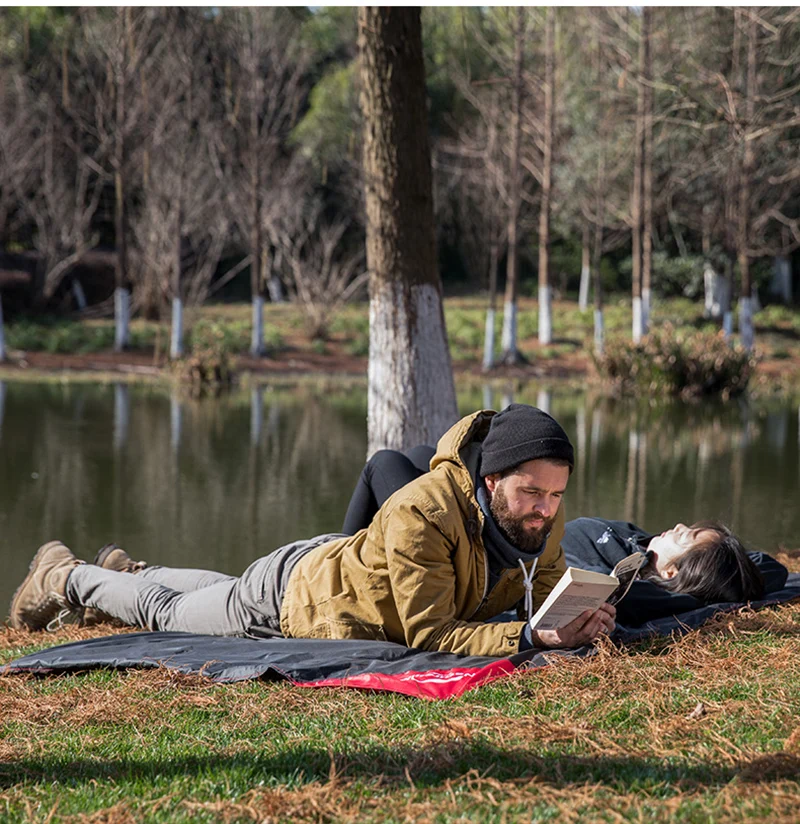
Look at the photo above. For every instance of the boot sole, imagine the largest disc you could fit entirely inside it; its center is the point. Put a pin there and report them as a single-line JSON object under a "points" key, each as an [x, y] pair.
{"points": [[32, 569]]}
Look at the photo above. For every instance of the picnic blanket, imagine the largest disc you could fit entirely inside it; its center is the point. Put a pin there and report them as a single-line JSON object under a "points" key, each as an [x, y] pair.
{"points": [[372, 665]]}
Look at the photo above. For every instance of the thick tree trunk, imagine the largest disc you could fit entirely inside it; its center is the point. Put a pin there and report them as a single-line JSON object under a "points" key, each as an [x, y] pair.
{"points": [[545, 304], [511, 353], [647, 172], [411, 397], [748, 163], [2, 333]]}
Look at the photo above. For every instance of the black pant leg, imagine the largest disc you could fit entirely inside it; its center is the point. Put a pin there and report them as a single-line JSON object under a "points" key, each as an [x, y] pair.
{"points": [[385, 472]]}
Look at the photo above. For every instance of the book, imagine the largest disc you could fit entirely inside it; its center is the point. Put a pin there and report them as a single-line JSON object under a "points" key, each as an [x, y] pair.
{"points": [[580, 589]]}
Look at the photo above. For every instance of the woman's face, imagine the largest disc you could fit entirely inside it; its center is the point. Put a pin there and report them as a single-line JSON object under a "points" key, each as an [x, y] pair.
{"points": [[670, 545]]}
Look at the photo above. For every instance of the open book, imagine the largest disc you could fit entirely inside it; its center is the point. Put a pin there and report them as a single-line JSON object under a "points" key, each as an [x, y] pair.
{"points": [[579, 590]]}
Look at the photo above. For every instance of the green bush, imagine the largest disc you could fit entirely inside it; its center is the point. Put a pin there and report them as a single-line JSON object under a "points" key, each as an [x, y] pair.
{"points": [[666, 362]]}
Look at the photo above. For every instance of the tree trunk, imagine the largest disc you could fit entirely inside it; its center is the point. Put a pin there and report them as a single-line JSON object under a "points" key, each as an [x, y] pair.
{"points": [[511, 354], [586, 269], [2, 333], [122, 291], [545, 304], [599, 328], [488, 337], [411, 396], [748, 163], [256, 239], [176, 338], [647, 171], [636, 195]]}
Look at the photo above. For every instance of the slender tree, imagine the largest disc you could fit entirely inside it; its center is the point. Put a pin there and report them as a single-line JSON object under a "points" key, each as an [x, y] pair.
{"points": [[411, 394], [545, 305], [511, 353], [636, 191]]}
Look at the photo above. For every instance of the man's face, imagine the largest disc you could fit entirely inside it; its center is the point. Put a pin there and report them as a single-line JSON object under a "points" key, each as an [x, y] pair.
{"points": [[525, 503]]}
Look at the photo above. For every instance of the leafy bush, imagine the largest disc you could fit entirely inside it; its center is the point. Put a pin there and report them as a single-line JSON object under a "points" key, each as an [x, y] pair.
{"points": [[208, 367], [666, 362]]}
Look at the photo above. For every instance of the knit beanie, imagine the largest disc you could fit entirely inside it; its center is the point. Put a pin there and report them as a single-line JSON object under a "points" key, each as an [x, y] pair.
{"points": [[523, 433]]}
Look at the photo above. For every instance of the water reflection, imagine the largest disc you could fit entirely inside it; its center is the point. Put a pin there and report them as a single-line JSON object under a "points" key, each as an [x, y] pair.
{"points": [[219, 482]]}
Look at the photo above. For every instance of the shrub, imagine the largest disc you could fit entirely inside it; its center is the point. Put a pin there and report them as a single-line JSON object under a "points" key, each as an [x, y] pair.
{"points": [[208, 367], [665, 362]]}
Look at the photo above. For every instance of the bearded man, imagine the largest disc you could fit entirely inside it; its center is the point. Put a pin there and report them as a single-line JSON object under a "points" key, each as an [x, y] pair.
{"points": [[445, 554]]}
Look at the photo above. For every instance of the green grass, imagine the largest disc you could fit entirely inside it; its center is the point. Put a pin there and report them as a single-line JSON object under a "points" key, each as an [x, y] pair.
{"points": [[777, 333], [618, 737]]}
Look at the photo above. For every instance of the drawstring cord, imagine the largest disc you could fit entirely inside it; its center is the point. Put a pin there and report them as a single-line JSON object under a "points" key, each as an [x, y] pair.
{"points": [[527, 582]]}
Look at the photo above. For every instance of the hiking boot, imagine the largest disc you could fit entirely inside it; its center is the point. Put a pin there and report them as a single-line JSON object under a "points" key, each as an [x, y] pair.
{"points": [[42, 595], [117, 560]]}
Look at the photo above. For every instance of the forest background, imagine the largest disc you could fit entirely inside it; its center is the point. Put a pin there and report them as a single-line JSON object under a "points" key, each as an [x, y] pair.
{"points": [[160, 158]]}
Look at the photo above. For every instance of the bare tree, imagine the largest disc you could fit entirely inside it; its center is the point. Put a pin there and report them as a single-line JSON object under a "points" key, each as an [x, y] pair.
{"points": [[545, 305], [511, 353], [118, 58], [411, 391], [181, 229], [324, 274], [264, 77]]}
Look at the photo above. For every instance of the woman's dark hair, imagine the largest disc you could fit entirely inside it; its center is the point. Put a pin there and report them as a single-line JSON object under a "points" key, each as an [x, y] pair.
{"points": [[717, 568]]}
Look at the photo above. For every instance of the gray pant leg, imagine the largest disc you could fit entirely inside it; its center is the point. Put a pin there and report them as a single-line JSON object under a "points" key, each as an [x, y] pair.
{"points": [[231, 606], [182, 580]]}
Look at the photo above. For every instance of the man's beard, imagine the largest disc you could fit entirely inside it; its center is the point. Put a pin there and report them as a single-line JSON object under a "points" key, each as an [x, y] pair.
{"points": [[513, 527]]}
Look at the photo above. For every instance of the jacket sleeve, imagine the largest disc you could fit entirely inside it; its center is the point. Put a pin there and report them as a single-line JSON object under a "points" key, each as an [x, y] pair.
{"points": [[420, 559]]}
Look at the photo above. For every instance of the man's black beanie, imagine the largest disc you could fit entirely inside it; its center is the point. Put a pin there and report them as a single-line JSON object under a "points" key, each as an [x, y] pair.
{"points": [[523, 433]]}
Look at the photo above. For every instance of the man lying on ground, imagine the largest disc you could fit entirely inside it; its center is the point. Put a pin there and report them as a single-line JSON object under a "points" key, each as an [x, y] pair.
{"points": [[687, 567], [453, 549]]}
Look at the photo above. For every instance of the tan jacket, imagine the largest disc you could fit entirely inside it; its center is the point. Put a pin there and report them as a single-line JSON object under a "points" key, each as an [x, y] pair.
{"points": [[418, 574]]}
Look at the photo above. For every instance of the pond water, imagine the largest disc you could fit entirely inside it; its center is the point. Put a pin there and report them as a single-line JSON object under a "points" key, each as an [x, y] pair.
{"points": [[218, 482]]}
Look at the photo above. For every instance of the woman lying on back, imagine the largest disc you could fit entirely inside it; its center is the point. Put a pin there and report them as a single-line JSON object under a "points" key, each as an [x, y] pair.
{"points": [[687, 567]]}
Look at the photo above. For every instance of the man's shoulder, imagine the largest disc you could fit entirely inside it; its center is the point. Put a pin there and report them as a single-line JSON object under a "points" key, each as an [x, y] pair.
{"points": [[443, 492]]}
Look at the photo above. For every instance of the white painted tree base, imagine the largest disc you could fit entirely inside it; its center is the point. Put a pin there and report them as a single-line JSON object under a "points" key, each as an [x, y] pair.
{"points": [[411, 396], [508, 339], [122, 318], [583, 292], [599, 332], [79, 294], [176, 338], [646, 297], [257, 336], [637, 320], [488, 340], [727, 324], [545, 316], [746, 329]]}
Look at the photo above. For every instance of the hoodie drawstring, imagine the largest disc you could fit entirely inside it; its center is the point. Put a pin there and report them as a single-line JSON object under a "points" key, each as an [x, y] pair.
{"points": [[527, 582]]}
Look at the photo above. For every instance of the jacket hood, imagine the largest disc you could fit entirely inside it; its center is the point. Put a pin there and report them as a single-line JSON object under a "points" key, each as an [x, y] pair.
{"points": [[461, 443]]}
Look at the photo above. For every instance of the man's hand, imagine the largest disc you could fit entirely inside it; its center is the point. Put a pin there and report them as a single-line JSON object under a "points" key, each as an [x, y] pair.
{"points": [[584, 629]]}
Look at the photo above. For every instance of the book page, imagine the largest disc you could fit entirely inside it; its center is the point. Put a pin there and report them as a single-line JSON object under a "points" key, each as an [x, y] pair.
{"points": [[626, 572], [574, 599]]}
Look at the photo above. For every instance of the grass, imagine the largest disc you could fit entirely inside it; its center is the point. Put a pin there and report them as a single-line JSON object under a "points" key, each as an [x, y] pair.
{"points": [[703, 728], [777, 334]]}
